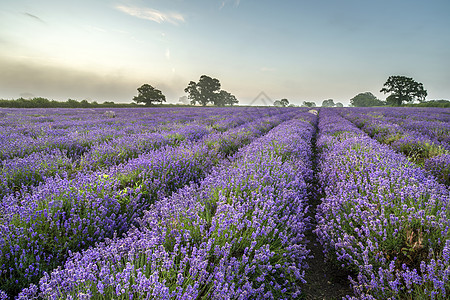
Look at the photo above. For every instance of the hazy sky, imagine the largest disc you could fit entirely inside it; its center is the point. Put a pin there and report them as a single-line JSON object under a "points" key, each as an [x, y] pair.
{"points": [[300, 50]]}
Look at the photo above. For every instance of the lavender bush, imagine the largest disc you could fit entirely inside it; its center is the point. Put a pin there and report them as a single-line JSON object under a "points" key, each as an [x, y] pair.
{"points": [[439, 166], [63, 214], [418, 145], [18, 173], [240, 234], [210, 203], [382, 217]]}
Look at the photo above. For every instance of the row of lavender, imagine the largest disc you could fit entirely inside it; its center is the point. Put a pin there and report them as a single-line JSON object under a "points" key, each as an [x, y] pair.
{"points": [[382, 217], [422, 135], [18, 172], [238, 234], [41, 225], [434, 123], [25, 131], [27, 159]]}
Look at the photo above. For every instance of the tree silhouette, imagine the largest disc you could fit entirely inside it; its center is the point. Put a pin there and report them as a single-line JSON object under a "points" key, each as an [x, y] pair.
{"points": [[366, 99], [205, 91], [281, 103], [328, 103], [225, 98], [148, 94], [403, 89], [308, 104]]}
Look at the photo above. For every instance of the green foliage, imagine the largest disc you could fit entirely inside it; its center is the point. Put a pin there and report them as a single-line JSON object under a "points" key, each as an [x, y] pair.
{"points": [[207, 90], [281, 103], [403, 89], [45, 103], [328, 103], [193, 93], [225, 98], [147, 94], [308, 104], [432, 103], [366, 99], [14, 179], [419, 151]]}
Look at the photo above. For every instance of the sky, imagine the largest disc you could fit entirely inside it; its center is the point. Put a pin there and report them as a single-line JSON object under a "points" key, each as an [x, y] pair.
{"points": [[301, 50]]}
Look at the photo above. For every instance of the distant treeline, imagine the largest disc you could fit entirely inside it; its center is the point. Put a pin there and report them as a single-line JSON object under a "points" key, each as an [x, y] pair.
{"points": [[70, 103], [432, 103]]}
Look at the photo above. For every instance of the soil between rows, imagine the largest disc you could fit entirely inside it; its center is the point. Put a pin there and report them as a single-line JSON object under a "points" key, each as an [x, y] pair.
{"points": [[324, 280]]}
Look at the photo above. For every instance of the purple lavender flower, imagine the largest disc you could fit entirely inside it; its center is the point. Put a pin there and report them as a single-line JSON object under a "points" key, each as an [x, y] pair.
{"points": [[242, 227], [382, 216]]}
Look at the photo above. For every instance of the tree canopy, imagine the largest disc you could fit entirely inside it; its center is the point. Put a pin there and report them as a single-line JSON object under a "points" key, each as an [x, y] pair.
{"points": [[328, 103], [308, 104], [281, 103], [148, 94], [207, 90], [366, 99], [203, 92], [403, 89], [225, 98], [284, 102]]}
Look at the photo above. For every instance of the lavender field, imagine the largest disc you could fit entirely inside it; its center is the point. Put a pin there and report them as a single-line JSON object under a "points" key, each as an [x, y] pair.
{"points": [[217, 203]]}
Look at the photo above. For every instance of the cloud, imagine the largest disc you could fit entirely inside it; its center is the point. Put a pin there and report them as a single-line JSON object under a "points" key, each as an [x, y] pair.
{"points": [[225, 2], [152, 14], [36, 18]]}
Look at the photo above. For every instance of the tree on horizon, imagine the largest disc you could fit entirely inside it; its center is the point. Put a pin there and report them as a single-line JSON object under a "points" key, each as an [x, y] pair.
{"points": [[403, 89], [225, 98], [207, 90], [203, 92], [281, 103], [366, 99], [148, 94], [308, 104], [328, 103]]}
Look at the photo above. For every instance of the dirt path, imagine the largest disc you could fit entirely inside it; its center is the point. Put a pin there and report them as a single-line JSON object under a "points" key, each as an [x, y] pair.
{"points": [[324, 280]]}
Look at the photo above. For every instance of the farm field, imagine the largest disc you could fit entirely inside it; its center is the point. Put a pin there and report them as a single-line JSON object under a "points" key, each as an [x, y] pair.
{"points": [[224, 203]]}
